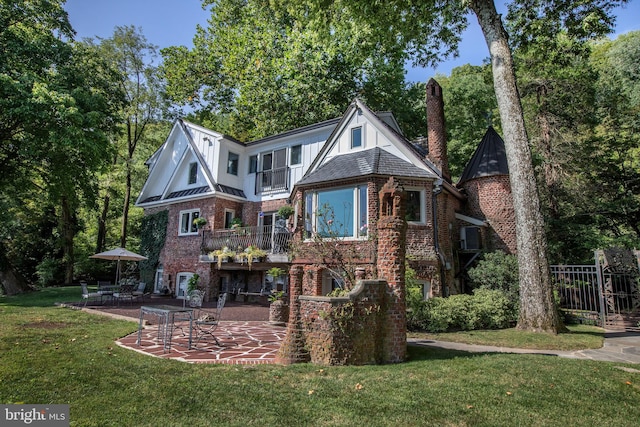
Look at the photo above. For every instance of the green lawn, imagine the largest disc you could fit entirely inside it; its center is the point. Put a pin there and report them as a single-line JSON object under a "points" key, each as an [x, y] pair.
{"points": [[56, 355], [579, 337]]}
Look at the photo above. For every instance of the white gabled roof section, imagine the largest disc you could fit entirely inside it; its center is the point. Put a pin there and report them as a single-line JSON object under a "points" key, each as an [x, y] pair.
{"points": [[376, 132], [169, 165]]}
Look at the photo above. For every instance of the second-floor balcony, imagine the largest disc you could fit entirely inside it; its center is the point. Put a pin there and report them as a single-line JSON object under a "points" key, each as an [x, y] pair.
{"points": [[272, 239], [272, 180]]}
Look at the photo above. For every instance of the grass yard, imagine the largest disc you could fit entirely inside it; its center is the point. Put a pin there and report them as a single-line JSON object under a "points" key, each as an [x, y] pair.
{"points": [[57, 355], [579, 337]]}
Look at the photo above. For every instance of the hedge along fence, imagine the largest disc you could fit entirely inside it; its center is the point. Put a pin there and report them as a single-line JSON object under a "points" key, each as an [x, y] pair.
{"points": [[485, 309]]}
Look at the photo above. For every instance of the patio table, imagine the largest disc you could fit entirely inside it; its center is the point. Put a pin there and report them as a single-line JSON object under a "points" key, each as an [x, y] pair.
{"points": [[107, 291], [166, 319]]}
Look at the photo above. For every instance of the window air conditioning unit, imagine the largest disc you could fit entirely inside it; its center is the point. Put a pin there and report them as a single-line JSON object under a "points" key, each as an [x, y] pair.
{"points": [[470, 238]]}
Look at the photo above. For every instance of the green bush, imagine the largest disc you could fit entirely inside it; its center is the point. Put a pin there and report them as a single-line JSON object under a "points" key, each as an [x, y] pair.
{"points": [[50, 272], [485, 309], [498, 271]]}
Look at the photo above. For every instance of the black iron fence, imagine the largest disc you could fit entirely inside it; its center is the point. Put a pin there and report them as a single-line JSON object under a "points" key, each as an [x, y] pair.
{"points": [[602, 293]]}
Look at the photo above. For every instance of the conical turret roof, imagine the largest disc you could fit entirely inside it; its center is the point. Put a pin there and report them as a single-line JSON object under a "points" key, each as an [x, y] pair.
{"points": [[490, 158]]}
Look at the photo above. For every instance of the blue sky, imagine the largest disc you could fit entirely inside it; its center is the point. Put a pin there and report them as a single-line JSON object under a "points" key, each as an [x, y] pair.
{"points": [[173, 22]]}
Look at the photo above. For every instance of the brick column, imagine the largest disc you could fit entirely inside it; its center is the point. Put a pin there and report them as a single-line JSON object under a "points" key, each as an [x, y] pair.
{"points": [[292, 349], [392, 230]]}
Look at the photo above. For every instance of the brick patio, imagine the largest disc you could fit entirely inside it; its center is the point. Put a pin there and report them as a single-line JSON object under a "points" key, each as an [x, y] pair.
{"points": [[245, 335], [242, 342]]}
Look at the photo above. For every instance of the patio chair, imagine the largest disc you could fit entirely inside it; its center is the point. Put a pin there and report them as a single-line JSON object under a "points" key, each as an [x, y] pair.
{"points": [[139, 293], [86, 295], [105, 289], [194, 298], [207, 323], [125, 293]]}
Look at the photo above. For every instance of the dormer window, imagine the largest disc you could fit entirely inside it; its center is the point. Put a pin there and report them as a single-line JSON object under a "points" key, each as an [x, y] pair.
{"points": [[356, 137], [193, 173]]}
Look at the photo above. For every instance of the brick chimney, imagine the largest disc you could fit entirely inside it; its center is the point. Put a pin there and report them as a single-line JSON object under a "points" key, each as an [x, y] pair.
{"points": [[436, 130]]}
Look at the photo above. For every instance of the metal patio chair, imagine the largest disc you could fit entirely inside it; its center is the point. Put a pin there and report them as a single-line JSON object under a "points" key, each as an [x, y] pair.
{"points": [[194, 300], [139, 293], [86, 295], [124, 293], [207, 323]]}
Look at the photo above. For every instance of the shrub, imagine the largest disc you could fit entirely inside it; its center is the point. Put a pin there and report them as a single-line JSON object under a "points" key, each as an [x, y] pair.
{"points": [[498, 271], [50, 272], [486, 309]]}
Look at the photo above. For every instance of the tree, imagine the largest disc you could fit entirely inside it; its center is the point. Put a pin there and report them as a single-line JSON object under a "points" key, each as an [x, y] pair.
{"points": [[129, 52], [58, 103], [613, 159], [257, 70]]}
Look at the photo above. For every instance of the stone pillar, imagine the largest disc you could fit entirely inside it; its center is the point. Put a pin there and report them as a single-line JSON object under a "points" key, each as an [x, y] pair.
{"points": [[392, 230]]}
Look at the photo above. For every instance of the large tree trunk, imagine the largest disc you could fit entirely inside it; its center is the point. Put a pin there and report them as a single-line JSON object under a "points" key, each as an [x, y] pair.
{"points": [[125, 209], [537, 309], [11, 281], [101, 241], [67, 225]]}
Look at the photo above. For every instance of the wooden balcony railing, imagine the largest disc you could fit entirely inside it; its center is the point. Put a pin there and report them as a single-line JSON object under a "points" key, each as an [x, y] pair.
{"points": [[272, 239]]}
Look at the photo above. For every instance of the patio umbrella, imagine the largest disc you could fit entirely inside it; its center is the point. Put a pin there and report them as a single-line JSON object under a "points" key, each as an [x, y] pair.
{"points": [[119, 254]]}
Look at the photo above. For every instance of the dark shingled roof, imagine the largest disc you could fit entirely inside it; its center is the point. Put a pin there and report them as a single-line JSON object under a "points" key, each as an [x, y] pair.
{"points": [[151, 199], [189, 192], [230, 190], [362, 163], [490, 158], [199, 190]]}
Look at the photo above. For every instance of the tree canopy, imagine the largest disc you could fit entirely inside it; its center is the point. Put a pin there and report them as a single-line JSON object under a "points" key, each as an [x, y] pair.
{"points": [[258, 69], [58, 106]]}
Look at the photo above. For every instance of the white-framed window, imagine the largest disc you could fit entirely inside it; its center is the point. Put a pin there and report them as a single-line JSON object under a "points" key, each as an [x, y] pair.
{"points": [[296, 155], [253, 163], [193, 173], [187, 227], [339, 212], [356, 137], [415, 206], [232, 163], [182, 279]]}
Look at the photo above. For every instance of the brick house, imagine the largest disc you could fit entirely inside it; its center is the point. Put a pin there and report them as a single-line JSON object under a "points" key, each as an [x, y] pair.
{"points": [[338, 166]]}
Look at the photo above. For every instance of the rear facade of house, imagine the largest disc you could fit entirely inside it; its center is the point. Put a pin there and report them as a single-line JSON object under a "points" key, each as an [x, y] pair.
{"points": [[339, 165]]}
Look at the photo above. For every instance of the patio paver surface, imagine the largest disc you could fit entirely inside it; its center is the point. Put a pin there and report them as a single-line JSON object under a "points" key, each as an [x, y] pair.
{"points": [[242, 342]]}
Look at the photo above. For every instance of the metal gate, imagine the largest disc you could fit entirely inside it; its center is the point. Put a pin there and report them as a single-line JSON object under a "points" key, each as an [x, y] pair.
{"points": [[606, 293]]}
